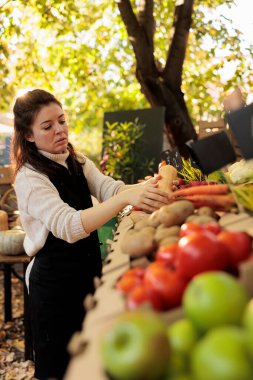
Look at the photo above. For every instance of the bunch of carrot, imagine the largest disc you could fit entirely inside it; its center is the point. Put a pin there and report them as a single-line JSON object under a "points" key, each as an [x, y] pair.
{"points": [[216, 196]]}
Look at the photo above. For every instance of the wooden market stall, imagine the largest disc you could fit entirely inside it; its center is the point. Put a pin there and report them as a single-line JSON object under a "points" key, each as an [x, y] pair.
{"points": [[107, 303]]}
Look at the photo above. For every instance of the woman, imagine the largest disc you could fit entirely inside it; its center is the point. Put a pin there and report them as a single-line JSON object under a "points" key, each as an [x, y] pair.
{"points": [[54, 185]]}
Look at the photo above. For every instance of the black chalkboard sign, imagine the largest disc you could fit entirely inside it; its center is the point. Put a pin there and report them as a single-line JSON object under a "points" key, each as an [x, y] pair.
{"points": [[212, 152], [241, 124], [172, 157]]}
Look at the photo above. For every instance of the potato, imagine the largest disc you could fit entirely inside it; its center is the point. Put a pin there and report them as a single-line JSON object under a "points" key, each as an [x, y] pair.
{"points": [[205, 210], [160, 226], [154, 218], [140, 262], [175, 213], [182, 206], [200, 219], [162, 233], [138, 215], [129, 233], [138, 244], [141, 224], [168, 240], [148, 230], [190, 218]]}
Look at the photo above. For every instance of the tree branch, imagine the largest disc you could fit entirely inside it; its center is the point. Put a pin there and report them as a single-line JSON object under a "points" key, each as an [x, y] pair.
{"points": [[140, 34], [3, 4], [146, 20], [172, 73]]}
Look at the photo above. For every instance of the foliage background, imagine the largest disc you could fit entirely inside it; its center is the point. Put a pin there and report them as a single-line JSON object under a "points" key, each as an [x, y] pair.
{"points": [[79, 51]]}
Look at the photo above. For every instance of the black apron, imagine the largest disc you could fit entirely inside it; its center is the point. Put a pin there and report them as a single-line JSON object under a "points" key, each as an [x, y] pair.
{"points": [[61, 276]]}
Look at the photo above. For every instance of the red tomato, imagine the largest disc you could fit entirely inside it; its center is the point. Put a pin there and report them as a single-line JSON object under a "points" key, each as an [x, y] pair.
{"points": [[167, 254], [135, 272], [199, 252], [213, 227], [238, 244], [188, 228], [140, 295], [136, 297], [163, 285], [130, 279], [125, 284]]}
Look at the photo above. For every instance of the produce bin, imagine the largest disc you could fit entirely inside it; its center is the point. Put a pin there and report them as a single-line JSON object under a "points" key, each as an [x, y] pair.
{"points": [[106, 233]]}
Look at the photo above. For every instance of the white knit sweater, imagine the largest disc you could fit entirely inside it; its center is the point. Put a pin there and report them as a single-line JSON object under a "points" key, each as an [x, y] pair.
{"points": [[42, 210]]}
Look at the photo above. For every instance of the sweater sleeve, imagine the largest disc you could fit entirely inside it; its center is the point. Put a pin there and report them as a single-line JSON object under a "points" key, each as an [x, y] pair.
{"points": [[101, 186], [40, 205]]}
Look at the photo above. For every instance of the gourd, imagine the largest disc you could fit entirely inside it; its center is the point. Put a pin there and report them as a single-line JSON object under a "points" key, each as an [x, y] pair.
{"points": [[11, 242], [3, 220], [168, 174], [8, 204]]}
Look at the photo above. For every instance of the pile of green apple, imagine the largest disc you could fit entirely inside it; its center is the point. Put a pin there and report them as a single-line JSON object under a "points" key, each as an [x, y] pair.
{"points": [[214, 340]]}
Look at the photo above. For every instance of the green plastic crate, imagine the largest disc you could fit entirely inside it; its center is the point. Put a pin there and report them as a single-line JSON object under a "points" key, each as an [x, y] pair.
{"points": [[106, 232]]}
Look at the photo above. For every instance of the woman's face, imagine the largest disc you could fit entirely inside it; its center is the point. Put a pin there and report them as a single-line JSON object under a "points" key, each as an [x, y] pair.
{"points": [[49, 131]]}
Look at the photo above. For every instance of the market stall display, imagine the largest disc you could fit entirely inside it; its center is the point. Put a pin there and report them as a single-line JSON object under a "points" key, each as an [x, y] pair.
{"points": [[154, 265]]}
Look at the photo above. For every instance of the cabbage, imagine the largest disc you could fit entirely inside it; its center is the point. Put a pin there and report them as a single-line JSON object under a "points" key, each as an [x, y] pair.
{"points": [[241, 171]]}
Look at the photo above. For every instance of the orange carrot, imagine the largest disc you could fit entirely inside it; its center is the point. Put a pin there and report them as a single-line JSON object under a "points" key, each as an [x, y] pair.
{"points": [[216, 201], [202, 189]]}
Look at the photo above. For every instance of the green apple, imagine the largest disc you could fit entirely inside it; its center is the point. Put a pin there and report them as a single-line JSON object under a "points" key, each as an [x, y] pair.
{"points": [[222, 355], [182, 335], [179, 377], [136, 347], [214, 298], [247, 321], [178, 366]]}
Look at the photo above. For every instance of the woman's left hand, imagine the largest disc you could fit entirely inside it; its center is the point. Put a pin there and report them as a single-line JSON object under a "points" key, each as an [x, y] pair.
{"points": [[147, 195]]}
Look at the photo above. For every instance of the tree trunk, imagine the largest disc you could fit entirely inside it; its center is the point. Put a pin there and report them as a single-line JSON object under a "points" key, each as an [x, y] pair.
{"points": [[178, 124], [162, 85]]}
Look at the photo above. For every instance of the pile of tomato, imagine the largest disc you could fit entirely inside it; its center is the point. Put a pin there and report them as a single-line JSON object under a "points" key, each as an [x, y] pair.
{"points": [[201, 248]]}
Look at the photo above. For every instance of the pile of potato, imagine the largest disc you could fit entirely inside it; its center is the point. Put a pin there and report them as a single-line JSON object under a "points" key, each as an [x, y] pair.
{"points": [[152, 231]]}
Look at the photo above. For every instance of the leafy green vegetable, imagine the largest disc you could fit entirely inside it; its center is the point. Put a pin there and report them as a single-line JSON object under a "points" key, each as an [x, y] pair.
{"points": [[217, 176], [241, 172], [189, 173], [244, 194]]}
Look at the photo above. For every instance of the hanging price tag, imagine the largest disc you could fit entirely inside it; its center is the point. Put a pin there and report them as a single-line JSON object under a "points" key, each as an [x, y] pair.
{"points": [[173, 158]]}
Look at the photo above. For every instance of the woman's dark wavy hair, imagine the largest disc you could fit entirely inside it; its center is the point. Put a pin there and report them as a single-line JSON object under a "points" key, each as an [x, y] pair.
{"points": [[25, 110]]}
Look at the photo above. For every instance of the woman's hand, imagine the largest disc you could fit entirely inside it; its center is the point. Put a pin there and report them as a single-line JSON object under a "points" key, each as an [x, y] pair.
{"points": [[146, 195]]}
